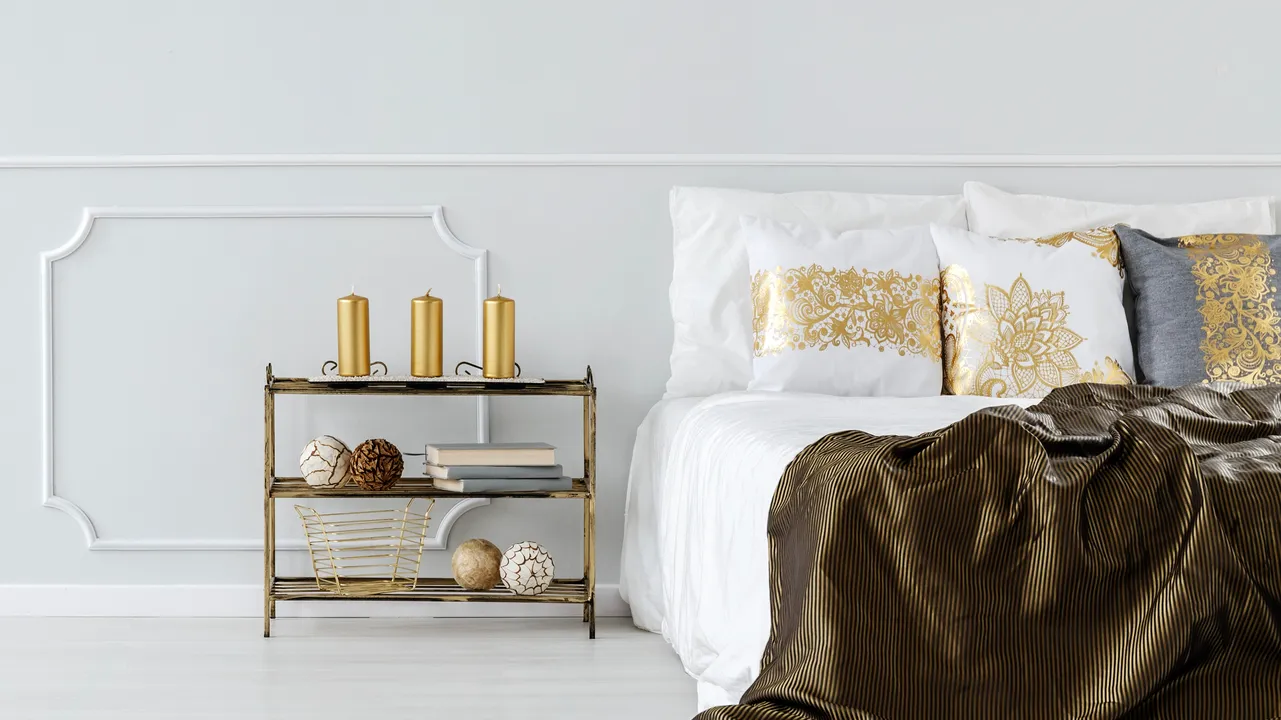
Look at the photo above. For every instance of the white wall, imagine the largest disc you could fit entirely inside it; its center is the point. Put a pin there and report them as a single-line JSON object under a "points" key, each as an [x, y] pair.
{"points": [[161, 327]]}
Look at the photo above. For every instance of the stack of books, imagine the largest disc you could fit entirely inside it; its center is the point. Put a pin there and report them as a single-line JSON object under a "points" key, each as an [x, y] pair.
{"points": [[495, 467]]}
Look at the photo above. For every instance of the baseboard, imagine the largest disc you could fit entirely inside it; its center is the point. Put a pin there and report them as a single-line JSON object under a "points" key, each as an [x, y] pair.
{"points": [[246, 601]]}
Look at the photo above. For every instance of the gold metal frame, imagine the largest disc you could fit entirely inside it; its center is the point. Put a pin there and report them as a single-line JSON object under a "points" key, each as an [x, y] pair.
{"points": [[581, 591]]}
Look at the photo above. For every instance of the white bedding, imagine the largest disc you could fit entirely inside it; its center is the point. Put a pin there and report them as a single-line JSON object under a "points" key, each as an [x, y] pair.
{"points": [[710, 493], [641, 580]]}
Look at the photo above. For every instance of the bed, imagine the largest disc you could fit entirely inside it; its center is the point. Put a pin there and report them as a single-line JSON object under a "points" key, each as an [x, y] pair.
{"points": [[695, 560], [792, 512]]}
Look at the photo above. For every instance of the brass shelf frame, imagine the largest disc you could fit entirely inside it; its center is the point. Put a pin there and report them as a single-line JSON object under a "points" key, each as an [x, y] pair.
{"points": [[574, 591]]}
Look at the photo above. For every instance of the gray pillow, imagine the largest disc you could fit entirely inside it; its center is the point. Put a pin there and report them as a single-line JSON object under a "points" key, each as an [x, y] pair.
{"points": [[1205, 306]]}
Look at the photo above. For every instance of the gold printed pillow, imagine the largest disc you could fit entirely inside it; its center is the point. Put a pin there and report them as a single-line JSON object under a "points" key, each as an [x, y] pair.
{"points": [[849, 314], [1023, 316], [1206, 306]]}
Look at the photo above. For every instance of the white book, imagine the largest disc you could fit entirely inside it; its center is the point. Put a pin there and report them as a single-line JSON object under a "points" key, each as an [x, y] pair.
{"points": [[446, 454], [502, 484], [454, 472]]}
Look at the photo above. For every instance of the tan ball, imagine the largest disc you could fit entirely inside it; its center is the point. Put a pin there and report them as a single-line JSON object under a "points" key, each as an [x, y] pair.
{"points": [[376, 464], [476, 564]]}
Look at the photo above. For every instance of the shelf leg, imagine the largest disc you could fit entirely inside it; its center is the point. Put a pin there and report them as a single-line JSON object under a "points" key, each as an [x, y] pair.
{"points": [[589, 511], [269, 566], [268, 505]]}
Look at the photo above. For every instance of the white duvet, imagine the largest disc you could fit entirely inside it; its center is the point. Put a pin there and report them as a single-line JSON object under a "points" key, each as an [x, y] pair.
{"points": [[696, 559]]}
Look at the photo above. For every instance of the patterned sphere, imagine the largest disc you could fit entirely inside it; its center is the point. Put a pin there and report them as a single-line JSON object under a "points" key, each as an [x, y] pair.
{"points": [[376, 464], [326, 462], [475, 564], [527, 569]]}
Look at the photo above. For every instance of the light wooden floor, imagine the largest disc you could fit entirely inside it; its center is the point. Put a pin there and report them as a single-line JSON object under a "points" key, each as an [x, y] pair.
{"points": [[376, 669]]}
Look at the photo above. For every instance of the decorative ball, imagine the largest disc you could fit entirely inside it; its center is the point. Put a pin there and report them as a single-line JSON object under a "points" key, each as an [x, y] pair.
{"points": [[326, 462], [527, 569], [376, 464], [476, 564]]}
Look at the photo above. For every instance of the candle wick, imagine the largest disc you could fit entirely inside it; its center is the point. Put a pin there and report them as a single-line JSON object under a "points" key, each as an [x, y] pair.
{"points": [[353, 289], [500, 289], [429, 291]]}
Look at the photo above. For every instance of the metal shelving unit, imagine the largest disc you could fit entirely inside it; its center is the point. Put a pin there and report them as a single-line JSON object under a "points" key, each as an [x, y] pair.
{"points": [[278, 589]]}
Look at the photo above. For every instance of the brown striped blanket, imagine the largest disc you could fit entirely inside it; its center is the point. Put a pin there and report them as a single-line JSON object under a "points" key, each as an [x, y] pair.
{"points": [[1113, 552]]}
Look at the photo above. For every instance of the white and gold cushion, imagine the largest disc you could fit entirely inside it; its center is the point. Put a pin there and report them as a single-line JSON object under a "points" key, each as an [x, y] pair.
{"points": [[848, 314], [1023, 316]]}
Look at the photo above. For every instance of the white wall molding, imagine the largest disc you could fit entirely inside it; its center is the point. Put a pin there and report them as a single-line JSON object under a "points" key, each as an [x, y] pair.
{"points": [[246, 601], [19, 162], [90, 215]]}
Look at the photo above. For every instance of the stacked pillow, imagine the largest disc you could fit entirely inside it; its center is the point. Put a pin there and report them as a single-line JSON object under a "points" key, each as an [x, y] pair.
{"points": [[710, 292], [1206, 306], [854, 313], [1023, 316], [853, 294]]}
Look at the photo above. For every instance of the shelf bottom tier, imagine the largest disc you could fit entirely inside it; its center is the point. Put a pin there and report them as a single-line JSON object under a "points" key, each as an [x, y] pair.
{"points": [[427, 589]]}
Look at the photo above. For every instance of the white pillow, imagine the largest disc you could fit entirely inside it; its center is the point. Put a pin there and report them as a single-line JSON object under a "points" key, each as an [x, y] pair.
{"points": [[849, 314], [997, 213], [1021, 318], [711, 305]]}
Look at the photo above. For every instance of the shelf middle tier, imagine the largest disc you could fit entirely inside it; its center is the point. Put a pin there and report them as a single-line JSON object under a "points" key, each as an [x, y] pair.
{"points": [[296, 487]]}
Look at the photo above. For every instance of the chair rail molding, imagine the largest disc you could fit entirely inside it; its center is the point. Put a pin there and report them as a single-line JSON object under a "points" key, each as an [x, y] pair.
{"points": [[253, 160], [90, 215]]}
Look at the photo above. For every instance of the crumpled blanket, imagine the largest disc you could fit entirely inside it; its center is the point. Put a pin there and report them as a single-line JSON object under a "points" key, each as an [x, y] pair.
{"points": [[1112, 552]]}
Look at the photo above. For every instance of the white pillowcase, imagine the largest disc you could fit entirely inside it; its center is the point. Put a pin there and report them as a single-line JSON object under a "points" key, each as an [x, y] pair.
{"points": [[997, 213], [711, 306], [1021, 318], [849, 314]]}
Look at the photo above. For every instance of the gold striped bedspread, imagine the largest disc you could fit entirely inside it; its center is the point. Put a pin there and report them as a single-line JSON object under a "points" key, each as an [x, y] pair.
{"points": [[1112, 552]]}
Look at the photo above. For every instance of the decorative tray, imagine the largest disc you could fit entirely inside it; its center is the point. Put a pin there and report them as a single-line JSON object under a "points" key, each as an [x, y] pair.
{"points": [[413, 380]]}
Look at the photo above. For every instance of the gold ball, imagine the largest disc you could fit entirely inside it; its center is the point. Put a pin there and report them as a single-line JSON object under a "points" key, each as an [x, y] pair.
{"points": [[376, 464], [475, 564]]}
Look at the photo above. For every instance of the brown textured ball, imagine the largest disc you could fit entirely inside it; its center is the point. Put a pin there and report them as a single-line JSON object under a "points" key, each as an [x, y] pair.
{"points": [[475, 564], [376, 464]]}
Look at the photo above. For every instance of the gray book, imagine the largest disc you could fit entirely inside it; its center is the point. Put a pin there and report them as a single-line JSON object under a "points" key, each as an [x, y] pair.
{"points": [[456, 454], [502, 484], [453, 472]]}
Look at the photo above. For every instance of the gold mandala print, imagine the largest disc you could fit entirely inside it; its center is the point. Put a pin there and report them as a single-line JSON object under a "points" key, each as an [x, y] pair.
{"points": [[1236, 289], [821, 308], [1011, 342], [1106, 245], [1031, 343]]}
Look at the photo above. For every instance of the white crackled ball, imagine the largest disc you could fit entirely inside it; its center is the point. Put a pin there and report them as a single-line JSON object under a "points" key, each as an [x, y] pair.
{"points": [[526, 569], [326, 462]]}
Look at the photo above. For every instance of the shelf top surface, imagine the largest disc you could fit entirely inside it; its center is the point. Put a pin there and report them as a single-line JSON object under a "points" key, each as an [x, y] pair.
{"points": [[303, 386], [305, 588], [295, 487]]}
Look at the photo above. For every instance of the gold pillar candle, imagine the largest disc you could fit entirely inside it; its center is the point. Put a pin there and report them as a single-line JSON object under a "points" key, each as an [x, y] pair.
{"points": [[424, 336], [353, 335], [500, 337]]}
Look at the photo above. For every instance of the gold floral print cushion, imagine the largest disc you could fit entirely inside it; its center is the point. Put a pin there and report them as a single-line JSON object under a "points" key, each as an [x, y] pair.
{"points": [[1205, 306], [849, 314], [1023, 316]]}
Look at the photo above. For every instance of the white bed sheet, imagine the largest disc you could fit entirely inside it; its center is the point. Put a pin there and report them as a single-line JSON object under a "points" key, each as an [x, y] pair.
{"points": [[640, 580], [712, 498]]}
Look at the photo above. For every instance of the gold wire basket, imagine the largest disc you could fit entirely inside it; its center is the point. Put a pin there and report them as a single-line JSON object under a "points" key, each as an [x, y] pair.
{"points": [[366, 552]]}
